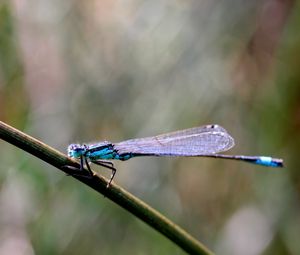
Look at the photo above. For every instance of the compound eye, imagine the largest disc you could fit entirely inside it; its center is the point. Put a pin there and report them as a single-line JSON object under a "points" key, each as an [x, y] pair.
{"points": [[75, 150], [73, 146]]}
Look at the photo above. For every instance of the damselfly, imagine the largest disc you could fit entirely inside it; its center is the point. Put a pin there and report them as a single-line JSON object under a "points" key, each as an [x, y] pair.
{"points": [[204, 141]]}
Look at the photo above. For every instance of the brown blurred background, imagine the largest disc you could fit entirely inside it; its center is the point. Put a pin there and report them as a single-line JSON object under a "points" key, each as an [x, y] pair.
{"points": [[83, 71]]}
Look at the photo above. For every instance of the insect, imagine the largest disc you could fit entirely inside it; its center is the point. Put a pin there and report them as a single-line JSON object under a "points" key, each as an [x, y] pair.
{"points": [[203, 141]]}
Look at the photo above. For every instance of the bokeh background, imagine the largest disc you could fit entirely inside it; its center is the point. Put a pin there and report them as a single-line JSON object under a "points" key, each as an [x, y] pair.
{"points": [[85, 71]]}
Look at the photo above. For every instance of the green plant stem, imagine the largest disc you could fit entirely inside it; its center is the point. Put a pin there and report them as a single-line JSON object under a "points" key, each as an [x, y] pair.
{"points": [[115, 193]]}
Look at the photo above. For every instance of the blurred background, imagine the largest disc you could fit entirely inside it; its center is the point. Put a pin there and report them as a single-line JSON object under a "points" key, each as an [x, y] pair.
{"points": [[86, 71]]}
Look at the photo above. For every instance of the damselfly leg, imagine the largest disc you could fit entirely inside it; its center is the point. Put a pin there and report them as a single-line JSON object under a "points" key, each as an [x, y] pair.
{"points": [[108, 165], [81, 171]]}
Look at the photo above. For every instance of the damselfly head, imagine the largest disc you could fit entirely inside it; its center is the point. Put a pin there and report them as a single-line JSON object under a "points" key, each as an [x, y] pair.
{"points": [[76, 150]]}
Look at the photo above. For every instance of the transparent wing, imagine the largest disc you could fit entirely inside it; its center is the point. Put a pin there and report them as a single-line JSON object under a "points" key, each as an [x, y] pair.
{"points": [[197, 141]]}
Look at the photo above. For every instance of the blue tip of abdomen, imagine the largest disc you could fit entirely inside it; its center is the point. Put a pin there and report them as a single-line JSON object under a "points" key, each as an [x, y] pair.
{"points": [[269, 161]]}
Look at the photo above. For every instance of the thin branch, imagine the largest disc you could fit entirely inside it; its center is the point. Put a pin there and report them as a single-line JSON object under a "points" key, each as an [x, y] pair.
{"points": [[114, 192]]}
